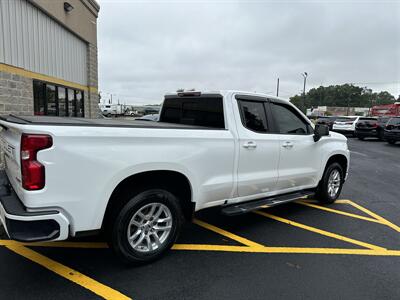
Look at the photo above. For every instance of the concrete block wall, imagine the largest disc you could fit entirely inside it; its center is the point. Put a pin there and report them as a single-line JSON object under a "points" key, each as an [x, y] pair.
{"points": [[92, 99], [16, 94]]}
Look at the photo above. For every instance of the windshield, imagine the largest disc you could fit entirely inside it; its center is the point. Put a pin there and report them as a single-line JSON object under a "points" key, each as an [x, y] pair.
{"points": [[394, 121]]}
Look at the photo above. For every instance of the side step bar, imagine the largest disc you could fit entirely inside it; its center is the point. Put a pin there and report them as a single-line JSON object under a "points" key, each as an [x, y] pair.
{"points": [[245, 207]]}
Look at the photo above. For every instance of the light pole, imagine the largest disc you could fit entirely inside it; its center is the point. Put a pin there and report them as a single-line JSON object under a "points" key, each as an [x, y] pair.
{"points": [[304, 88], [277, 88]]}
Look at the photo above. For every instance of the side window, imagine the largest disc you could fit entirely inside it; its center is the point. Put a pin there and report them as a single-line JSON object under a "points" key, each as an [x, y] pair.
{"points": [[288, 122], [253, 116]]}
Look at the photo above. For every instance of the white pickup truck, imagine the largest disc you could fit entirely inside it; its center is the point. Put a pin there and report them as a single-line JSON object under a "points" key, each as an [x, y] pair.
{"points": [[137, 181]]}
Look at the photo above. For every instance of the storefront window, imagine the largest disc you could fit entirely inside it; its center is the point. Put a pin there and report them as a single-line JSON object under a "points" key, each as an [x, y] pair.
{"points": [[62, 102], [71, 103], [54, 100], [38, 94], [79, 103], [51, 100]]}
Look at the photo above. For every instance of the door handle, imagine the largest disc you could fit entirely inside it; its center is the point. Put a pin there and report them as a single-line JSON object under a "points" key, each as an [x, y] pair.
{"points": [[287, 145], [250, 145]]}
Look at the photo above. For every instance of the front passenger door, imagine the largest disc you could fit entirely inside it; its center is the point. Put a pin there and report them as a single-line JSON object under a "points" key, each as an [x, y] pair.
{"points": [[300, 157]]}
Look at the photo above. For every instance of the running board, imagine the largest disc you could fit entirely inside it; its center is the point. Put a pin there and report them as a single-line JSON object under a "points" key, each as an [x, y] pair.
{"points": [[245, 207]]}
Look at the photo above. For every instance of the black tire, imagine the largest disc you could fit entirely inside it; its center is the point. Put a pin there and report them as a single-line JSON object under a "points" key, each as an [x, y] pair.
{"points": [[391, 142], [322, 194], [361, 138], [118, 235]]}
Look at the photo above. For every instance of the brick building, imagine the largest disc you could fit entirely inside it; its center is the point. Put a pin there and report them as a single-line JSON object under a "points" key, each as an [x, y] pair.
{"points": [[48, 57]]}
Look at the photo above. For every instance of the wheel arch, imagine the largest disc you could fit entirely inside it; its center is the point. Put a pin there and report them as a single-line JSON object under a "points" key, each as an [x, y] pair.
{"points": [[173, 181], [339, 158]]}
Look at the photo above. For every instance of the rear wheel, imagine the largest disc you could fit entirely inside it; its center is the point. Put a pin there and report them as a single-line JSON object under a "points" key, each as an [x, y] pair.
{"points": [[361, 138], [146, 226], [392, 142], [331, 184]]}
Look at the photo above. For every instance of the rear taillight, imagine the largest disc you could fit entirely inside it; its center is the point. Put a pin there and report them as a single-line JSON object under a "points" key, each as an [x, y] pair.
{"points": [[374, 125], [32, 171]]}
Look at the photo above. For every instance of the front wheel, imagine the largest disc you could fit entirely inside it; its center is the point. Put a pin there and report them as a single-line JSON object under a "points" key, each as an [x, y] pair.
{"points": [[391, 142], [331, 184], [146, 227]]}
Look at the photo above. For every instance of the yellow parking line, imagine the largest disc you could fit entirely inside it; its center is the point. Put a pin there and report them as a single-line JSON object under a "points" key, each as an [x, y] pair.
{"points": [[320, 231], [227, 234], [299, 250], [376, 216], [207, 247], [342, 201], [338, 212], [68, 273], [245, 249]]}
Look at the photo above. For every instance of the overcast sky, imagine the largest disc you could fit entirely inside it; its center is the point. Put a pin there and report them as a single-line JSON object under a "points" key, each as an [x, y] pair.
{"points": [[148, 48]]}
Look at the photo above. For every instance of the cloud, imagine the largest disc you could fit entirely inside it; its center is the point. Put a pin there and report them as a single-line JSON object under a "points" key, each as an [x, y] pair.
{"points": [[149, 48]]}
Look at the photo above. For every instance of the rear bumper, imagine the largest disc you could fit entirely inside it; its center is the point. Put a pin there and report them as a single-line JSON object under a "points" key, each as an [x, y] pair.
{"points": [[24, 225], [367, 133], [344, 130], [392, 136]]}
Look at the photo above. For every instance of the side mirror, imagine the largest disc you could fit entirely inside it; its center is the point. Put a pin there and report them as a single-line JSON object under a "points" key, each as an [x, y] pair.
{"points": [[320, 131]]}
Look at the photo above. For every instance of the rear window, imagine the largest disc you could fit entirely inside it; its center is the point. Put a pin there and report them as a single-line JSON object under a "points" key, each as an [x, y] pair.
{"points": [[368, 119], [345, 119], [394, 121], [204, 111], [383, 119]]}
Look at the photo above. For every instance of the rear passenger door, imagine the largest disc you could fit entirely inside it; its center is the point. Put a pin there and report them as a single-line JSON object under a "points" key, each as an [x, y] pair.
{"points": [[300, 156], [258, 149]]}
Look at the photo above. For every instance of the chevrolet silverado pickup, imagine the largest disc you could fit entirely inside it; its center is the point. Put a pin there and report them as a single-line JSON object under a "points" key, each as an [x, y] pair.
{"points": [[137, 181]]}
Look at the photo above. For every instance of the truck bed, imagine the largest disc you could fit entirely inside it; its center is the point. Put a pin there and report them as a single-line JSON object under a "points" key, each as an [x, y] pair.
{"points": [[67, 121]]}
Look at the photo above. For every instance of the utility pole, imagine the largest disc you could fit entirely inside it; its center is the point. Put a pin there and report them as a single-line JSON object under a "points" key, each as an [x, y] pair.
{"points": [[277, 88], [304, 89]]}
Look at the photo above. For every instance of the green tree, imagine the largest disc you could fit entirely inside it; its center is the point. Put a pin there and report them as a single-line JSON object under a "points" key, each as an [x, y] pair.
{"points": [[341, 95]]}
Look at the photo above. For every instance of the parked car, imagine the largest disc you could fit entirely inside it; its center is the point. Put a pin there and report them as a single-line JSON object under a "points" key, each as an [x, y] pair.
{"points": [[327, 120], [371, 127], [392, 130], [137, 181], [345, 125], [152, 117]]}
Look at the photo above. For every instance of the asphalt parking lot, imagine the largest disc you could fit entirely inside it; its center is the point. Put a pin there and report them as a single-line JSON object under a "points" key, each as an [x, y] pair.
{"points": [[348, 250]]}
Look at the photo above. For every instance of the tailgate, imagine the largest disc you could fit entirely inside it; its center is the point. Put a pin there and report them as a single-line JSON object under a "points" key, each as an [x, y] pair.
{"points": [[10, 138]]}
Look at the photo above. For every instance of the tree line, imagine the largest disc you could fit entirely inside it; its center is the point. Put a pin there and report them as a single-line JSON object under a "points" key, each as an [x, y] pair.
{"points": [[345, 95]]}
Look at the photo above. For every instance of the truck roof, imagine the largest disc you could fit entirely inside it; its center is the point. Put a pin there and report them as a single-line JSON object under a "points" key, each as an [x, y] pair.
{"points": [[226, 92]]}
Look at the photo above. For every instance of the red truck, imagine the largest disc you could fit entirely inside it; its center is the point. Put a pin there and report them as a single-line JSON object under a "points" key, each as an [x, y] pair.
{"points": [[390, 110]]}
